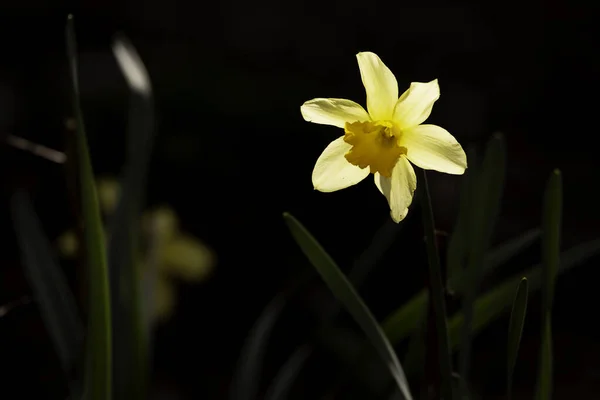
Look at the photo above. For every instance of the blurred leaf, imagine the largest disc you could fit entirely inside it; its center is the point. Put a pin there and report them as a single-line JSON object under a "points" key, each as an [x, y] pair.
{"points": [[283, 381], [414, 362], [248, 370], [403, 321], [345, 293], [456, 252], [247, 375], [551, 226], [436, 293], [383, 238], [544, 385], [98, 367], [489, 183], [57, 304], [515, 330], [490, 306], [132, 318], [406, 319], [499, 256], [504, 252]]}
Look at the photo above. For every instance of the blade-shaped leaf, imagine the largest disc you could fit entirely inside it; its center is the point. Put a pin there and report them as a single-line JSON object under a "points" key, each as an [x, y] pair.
{"points": [[507, 250], [551, 226], [98, 366], [246, 380], [436, 292], [484, 210], [132, 323], [515, 330], [403, 321], [345, 293], [456, 252], [414, 362], [282, 383], [491, 305], [248, 371], [383, 238], [57, 304], [544, 384], [499, 256]]}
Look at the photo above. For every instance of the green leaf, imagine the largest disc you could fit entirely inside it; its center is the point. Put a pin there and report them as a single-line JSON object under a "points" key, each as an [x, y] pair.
{"points": [[283, 381], [499, 256], [246, 379], [414, 360], [491, 305], [544, 386], [346, 294], [98, 367], [437, 290], [484, 211], [515, 330], [54, 298], [131, 316], [383, 238], [551, 227], [248, 371], [405, 319], [456, 252]]}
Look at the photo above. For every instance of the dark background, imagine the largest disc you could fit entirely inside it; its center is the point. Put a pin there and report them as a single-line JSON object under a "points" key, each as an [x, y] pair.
{"points": [[233, 153]]}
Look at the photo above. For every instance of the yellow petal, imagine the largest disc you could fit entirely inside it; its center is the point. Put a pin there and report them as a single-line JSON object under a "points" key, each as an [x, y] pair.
{"points": [[414, 106], [433, 147], [333, 172], [398, 189], [334, 112], [380, 84]]}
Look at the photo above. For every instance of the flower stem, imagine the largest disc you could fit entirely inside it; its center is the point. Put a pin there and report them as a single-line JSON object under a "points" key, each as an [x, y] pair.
{"points": [[436, 288]]}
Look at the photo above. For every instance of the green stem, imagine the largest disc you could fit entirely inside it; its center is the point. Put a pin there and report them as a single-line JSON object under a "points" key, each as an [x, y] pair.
{"points": [[437, 289]]}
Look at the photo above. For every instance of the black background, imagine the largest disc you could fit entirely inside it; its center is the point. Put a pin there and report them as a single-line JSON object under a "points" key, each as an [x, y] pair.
{"points": [[233, 153]]}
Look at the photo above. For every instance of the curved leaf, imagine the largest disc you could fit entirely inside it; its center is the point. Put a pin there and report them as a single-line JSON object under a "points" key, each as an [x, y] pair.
{"points": [[436, 291], [99, 338], [282, 384], [484, 211], [132, 318], [515, 330], [57, 304], [551, 226], [345, 293]]}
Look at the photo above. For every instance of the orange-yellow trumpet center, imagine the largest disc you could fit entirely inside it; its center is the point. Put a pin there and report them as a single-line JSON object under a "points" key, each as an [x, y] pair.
{"points": [[375, 144]]}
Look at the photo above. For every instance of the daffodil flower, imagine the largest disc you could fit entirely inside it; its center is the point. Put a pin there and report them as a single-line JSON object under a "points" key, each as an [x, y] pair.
{"points": [[383, 140]]}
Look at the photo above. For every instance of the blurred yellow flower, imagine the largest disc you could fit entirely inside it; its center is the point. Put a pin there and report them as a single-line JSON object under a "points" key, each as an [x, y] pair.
{"points": [[177, 255], [383, 140]]}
